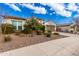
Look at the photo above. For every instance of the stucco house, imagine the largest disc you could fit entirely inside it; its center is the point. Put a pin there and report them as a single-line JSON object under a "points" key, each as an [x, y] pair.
{"points": [[66, 28], [18, 22], [50, 26]]}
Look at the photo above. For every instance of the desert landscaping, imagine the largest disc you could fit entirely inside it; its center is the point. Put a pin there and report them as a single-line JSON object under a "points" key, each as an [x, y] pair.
{"points": [[19, 41], [33, 33]]}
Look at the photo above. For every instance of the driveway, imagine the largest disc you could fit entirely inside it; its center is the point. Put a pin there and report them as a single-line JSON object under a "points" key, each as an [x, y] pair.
{"points": [[61, 47]]}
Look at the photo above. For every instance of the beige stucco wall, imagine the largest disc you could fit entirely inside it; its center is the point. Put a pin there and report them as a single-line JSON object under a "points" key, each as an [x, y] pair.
{"points": [[66, 28], [9, 21]]}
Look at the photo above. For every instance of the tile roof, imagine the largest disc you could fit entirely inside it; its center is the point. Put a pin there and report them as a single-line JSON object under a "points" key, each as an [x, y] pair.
{"points": [[13, 17]]}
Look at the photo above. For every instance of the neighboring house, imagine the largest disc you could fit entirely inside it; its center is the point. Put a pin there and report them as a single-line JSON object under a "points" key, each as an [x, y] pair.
{"points": [[50, 26], [75, 28], [66, 28], [16, 21]]}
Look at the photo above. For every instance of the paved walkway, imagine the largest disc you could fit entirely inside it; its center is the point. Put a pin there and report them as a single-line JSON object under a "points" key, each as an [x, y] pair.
{"points": [[64, 46]]}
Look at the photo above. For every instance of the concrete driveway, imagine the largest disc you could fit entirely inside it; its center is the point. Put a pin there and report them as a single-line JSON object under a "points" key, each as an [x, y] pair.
{"points": [[68, 46]]}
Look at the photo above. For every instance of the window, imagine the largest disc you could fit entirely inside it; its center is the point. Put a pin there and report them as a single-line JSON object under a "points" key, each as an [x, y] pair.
{"points": [[17, 24]]}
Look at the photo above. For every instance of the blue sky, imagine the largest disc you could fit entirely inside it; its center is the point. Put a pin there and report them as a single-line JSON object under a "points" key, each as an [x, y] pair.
{"points": [[60, 13]]}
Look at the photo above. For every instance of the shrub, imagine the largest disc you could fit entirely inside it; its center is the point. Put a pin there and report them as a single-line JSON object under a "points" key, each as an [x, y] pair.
{"points": [[7, 28], [40, 27], [17, 32], [39, 32], [48, 34], [33, 25], [27, 31], [7, 38], [55, 33]]}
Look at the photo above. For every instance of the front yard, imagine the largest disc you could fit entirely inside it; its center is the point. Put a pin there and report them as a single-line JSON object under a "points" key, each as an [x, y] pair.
{"points": [[18, 41], [32, 33]]}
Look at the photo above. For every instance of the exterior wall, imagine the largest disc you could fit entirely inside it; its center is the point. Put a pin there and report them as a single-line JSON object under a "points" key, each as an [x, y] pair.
{"points": [[10, 21], [50, 27], [66, 28]]}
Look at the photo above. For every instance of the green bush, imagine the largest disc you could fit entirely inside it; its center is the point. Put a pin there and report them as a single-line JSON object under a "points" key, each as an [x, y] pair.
{"points": [[27, 29], [7, 28], [33, 25], [40, 27], [7, 38]]}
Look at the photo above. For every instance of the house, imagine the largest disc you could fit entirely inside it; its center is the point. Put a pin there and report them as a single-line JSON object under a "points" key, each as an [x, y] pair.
{"points": [[20, 22], [66, 28], [16, 21], [75, 27], [50, 26]]}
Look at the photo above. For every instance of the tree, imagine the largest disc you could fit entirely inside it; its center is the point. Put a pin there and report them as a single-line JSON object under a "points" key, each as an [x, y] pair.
{"points": [[7, 28], [33, 26], [3, 13]]}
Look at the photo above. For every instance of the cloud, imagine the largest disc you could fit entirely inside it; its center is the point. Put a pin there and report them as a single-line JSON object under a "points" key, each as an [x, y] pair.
{"points": [[72, 7], [44, 4], [38, 10], [52, 13], [59, 8], [13, 6], [65, 13]]}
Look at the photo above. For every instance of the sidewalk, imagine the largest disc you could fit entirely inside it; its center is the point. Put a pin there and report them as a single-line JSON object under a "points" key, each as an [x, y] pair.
{"points": [[64, 46]]}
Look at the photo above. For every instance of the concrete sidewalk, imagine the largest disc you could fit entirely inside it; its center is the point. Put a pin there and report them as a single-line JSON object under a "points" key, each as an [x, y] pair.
{"points": [[64, 46]]}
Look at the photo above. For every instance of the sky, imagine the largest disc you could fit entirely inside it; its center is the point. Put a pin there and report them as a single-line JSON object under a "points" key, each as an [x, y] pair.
{"points": [[60, 13]]}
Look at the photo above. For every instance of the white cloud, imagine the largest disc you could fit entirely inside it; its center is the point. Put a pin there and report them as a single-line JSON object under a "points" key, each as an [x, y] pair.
{"points": [[13, 6], [38, 10], [44, 4], [72, 7], [52, 13], [59, 8], [65, 13]]}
